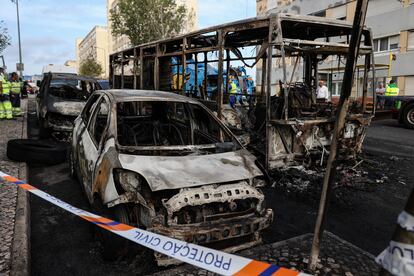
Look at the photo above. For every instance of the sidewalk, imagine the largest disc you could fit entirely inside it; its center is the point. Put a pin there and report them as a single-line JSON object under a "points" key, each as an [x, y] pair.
{"points": [[338, 257], [14, 222]]}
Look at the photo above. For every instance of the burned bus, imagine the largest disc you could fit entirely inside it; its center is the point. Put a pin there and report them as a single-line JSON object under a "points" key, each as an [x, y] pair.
{"points": [[282, 114]]}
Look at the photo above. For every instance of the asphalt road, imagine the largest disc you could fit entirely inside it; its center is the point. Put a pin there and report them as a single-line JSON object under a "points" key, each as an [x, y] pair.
{"points": [[62, 244], [364, 216], [390, 138]]}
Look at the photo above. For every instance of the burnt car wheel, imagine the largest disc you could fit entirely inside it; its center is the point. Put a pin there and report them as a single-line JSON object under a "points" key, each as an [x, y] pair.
{"points": [[113, 245], [44, 131], [36, 151], [409, 116]]}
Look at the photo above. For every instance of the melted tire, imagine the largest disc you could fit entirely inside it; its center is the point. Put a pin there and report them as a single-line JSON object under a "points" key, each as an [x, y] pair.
{"points": [[114, 246], [36, 151], [44, 131]]}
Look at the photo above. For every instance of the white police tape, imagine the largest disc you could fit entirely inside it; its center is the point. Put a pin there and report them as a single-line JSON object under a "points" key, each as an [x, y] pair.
{"points": [[398, 258], [199, 256]]}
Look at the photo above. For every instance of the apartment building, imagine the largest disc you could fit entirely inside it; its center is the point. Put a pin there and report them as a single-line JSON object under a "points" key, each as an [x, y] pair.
{"points": [[392, 24], [119, 43], [95, 45]]}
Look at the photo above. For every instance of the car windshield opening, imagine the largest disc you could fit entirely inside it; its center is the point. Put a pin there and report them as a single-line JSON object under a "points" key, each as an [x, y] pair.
{"points": [[174, 126], [72, 89]]}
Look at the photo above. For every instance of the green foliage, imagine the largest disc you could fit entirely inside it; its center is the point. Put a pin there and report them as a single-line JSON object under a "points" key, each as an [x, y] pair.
{"points": [[4, 37], [91, 68], [148, 20]]}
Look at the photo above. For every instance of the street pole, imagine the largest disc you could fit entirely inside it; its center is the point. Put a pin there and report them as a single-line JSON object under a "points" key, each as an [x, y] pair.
{"points": [[18, 33], [328, 181]]}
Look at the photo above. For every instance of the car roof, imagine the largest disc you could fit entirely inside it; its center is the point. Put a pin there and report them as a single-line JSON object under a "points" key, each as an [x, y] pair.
{"points": [[126, 95], [56, 76]]}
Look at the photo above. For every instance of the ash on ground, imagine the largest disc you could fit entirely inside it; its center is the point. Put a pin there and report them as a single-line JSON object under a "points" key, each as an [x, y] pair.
{"points": [[366, 174]]}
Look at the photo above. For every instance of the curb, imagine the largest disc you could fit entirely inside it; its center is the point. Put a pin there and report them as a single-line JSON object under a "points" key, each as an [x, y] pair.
{"points": [[20, 260]]}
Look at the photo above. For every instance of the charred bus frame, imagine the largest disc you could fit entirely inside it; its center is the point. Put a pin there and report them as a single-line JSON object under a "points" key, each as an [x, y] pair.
{"points": [[295, 129]]}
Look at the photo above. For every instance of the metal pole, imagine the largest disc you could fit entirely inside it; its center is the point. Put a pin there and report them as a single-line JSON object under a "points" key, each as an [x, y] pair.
{"points": [[18, 33], [220, 43], [157, 68], [367, 67], [135, 68], [226, 83], [205, 77], [141, 68], [184, 65], [351, 61]]}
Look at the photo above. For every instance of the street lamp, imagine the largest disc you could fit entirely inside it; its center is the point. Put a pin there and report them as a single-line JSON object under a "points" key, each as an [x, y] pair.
{"points": [[18, 33]]}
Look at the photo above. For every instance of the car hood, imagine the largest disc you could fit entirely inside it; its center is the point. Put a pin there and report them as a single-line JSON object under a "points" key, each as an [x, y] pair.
{"points": [[69, 108], [176, 172]]}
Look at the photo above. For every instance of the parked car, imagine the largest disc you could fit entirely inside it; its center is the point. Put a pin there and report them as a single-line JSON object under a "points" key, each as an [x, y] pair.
{"points": [[60, 100], [104, 84], [28, 88], [32, 88], [166, 163]]}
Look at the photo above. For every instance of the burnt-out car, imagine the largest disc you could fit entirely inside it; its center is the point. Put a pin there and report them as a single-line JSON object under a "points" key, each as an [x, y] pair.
{"points": [[61, 99], [165, 163]]}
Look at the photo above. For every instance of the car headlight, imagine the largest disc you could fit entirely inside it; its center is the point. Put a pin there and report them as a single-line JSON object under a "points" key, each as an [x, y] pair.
{"points": [[129, 181]]}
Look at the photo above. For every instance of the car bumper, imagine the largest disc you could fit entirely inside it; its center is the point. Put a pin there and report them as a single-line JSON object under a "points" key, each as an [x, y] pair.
{"points": [[229, 235]]}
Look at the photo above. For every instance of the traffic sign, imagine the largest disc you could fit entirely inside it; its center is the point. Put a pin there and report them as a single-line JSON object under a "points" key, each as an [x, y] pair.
{"points": [[19, 66]]}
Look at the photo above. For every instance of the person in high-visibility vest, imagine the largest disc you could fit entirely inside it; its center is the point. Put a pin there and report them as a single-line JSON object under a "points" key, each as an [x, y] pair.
{"points": [[15, 92], [233, 93], [392, 89], [5, 104], [2, 114]]}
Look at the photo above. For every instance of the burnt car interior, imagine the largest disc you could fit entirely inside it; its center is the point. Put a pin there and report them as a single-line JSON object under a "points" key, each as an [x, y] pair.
{"points": [[165, 124], [72, 89]]}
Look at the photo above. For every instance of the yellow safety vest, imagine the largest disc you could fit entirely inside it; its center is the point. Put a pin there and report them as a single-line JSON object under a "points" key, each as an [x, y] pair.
{"points": [[6, 87], [392, 91], [15, 87], [233, 89]]}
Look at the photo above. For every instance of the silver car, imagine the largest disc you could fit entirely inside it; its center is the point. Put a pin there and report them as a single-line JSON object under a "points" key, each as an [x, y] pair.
{"points": [[166, 163]]}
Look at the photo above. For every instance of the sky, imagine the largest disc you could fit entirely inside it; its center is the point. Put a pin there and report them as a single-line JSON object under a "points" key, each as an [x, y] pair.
{"points": [[49, 28]]}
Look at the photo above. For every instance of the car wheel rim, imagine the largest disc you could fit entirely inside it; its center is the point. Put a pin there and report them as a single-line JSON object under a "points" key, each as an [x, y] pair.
{"points": [[410, 116]]}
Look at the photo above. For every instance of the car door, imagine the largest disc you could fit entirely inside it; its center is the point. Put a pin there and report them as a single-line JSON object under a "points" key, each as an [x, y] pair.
{"points": [[81, 123], [41, 97], [91, 142]]}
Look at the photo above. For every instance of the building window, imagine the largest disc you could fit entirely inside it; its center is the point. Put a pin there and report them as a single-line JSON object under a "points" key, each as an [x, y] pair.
{"points": [[394, 42], [383, 44], [410, 41], [336, 88], [386, 43]]}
